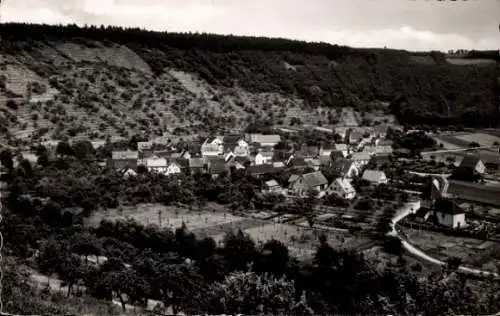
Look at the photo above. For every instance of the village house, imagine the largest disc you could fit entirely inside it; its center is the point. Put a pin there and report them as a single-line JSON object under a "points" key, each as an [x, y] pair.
{"points": [[238, 163], [197, 165], [380, 149], [213, 146], [297, 162], [128, 172], [314, 164], [346, 168], [375, 177], [448, 213], [301, 185], [353, 136], [123, 159], [236, 144], [284, 156], [272, 186], [326, 149], [325, 161], [343, 148], [361, 159], [466, 191], [263, 140], [263, 157], [472, 163], [308, 152], [217, 167], [343, 188], [156, 164]]}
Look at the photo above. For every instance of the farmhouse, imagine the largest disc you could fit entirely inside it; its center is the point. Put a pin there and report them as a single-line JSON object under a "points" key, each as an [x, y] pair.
{"points": [[473, 163], [302, 184], [217, 166], [375, 177], [156, 164], [211, 150], [284, 156], [123, 159], [314, 164], [326, 150], [449, 214], [174, 168], [325, 161], [342, 188]]}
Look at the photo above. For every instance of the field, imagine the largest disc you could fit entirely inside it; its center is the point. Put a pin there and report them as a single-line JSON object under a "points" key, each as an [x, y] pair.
{"points": [[473, 252], [301, 239], [447, 142], [480, 138]]}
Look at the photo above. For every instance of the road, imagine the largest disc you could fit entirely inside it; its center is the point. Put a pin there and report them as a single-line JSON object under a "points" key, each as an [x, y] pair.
{"points": [[406, 210]]}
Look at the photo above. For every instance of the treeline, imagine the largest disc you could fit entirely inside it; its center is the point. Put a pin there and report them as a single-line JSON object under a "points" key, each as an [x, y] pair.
{"points": [[433, 91]]}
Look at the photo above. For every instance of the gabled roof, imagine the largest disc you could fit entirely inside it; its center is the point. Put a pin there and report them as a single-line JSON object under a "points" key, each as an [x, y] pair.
{"points": [[231, 141], [313, 163], [262, 169], [261, 138], [345, 185], [447, 206], [271, 183], [298, 162], [156, 162], [341, 147], [293, 178], [241, 159], [122, 155], [279, 164], [210, 147], [469, 161], [324, 160], [336, 154], [181, 162], [266, 154], [308, 151], [196, 163], [217, 167], [361, 156], [314, 179], [346, 166], [282, 155], [373, 175]]}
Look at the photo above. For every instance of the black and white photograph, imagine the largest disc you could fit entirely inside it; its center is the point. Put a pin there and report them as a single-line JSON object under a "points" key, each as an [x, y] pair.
{"points": [[249, 157]]}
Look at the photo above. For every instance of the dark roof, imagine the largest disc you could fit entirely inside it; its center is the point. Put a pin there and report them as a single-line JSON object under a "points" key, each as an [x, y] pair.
{"points": [[231, 141], [421, 212], [298, 162], [475, 192], [281, 155], [196, 163], [447, 206], [217, 167], [469, 161], [308, 151], [183, 163], [336, 154], [314, 179], [262, 169], [324, 160]]}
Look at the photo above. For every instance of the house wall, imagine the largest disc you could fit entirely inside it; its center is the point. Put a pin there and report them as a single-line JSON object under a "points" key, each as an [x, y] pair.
{"points": [[173, 169], [480, 168], [260, 159], [454, 221]]}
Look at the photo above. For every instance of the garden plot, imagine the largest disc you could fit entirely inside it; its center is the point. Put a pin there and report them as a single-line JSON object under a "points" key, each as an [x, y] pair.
{"points": [[480, 138], [473, 252], [165, 216]]}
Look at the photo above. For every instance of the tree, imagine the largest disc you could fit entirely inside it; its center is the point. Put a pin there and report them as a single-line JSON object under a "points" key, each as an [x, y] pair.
{"points": [[251, 294], [273, 259], [6, 159], [83, 149], [239, 251], [64, 149]]}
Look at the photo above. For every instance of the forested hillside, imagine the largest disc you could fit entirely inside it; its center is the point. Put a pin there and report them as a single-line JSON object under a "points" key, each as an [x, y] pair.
{"points": [[131, 75]]}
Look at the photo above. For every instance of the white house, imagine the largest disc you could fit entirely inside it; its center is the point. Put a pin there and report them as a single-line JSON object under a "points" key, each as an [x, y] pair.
{"points": [[173, 168], [156, 164], [449, 214], [343, 188], [302, 184], [375, 177], [263, 157]]}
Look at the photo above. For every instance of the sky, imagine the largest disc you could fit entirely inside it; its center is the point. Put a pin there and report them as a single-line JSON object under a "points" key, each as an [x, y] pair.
{"points": [[418, 25]]}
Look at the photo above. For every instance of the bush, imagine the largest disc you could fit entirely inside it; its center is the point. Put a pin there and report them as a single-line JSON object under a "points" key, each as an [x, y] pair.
{"points": [[11, 104]]}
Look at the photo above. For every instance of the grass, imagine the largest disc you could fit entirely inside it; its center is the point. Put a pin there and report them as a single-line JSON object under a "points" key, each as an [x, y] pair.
{"points": [[442, 247], [480, 138]]}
